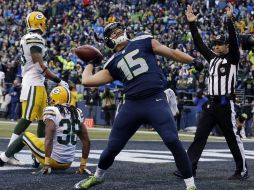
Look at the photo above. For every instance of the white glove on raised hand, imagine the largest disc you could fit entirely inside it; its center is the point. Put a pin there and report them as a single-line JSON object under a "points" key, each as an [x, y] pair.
{"points": [[63, 83]]}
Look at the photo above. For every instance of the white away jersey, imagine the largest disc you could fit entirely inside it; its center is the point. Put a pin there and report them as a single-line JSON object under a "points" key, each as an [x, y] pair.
{"points": [[31, 72], [65, 138]]}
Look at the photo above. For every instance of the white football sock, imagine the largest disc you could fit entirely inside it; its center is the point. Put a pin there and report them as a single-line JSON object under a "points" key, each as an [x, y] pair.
{"points": [[99, 173], [4, 157], [13, 138], [42, 139], [189, 182]]}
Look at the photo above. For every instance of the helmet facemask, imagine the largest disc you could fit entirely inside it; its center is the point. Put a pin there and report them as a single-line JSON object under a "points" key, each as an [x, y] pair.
{"points": [[109, 30], [121, 38]]}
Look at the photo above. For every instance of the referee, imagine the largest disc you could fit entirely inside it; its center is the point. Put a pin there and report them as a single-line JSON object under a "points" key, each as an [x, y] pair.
{"points": [[223, 66]]}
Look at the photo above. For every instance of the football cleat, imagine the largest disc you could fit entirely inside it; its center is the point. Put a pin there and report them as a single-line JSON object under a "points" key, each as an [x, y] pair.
{"points": [[35, 164], [88, 182], [239, 176], [15, 162], [1, 162], [192, 188]]}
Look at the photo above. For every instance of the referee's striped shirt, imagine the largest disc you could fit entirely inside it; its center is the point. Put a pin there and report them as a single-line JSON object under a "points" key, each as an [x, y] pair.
{"points": [[222, 69], [222, 77]]}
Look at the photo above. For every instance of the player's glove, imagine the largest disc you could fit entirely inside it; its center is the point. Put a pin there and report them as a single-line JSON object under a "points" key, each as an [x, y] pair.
{"points": [[198, 65], [45, 170], [82, 168], [81, 171], [63, 83]]}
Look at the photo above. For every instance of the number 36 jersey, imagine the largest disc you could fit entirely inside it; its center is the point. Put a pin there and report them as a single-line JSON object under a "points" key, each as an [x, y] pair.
{"points": [[136, 66], [65, 138], [32, 72]]}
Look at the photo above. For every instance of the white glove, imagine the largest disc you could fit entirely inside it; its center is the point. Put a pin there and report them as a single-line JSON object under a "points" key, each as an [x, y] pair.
{"points": [[63, 83]]}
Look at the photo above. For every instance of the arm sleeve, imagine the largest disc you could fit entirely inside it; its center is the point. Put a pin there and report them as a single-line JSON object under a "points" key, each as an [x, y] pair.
{"points": [[199, 44], [233, 43], [35, 49]]}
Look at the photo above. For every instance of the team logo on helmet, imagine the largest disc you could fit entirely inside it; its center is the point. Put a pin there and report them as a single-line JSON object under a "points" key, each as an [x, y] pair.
{"points": [[36, 21], [40, 16], [56, 91], [218, 37], [60, 95]]}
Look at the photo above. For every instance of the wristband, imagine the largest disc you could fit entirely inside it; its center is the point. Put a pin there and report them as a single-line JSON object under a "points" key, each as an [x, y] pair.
{"points": [[83, 161], [47, 161], [56, 80], [44, 70]]}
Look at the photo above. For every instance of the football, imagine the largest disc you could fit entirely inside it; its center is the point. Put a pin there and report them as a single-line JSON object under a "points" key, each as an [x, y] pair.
{"points": [[88, 53]]}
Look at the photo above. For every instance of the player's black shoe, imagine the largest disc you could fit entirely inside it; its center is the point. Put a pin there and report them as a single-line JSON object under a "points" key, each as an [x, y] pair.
{"points": [[239, 176], [177, 173], [35, 164], [1, 162]]}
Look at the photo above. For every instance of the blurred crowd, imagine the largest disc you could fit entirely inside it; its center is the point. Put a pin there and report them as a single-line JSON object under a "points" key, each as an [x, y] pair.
{"points": [[72, 23]]}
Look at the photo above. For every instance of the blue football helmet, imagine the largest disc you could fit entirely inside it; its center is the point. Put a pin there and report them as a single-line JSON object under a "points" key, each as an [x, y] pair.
{"points": [[109, 29]]}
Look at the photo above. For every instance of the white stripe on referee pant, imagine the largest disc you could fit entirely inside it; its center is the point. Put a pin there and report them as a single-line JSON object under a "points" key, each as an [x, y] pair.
{"points": [[30, 103], [238, 139]]}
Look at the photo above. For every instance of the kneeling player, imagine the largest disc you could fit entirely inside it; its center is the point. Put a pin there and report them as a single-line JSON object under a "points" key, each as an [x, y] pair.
{"points": [[63, 125]]}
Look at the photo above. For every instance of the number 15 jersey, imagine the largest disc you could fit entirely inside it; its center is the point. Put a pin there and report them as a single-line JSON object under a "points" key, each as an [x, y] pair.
{"points": [[136, 66], [65, 138]]}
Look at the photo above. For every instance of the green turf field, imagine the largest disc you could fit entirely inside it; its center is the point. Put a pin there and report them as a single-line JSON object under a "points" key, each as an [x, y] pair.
{"points": [[6, 128]]}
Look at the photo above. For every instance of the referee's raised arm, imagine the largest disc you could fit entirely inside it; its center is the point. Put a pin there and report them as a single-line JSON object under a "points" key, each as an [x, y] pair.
{"points": [[199, 44], [233, 42]]}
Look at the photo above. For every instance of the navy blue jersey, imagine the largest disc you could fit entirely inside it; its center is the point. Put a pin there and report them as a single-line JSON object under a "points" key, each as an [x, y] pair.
{"points": [[136, 67]]}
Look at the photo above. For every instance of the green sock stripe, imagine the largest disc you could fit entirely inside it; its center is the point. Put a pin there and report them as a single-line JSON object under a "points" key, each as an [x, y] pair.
{"points": [[34, 95], [33, 148], [27, 104]]}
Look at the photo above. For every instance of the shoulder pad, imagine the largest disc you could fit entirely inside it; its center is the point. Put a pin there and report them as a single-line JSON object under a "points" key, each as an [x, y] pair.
{"points": [[142, 36], [50, 110], [34, 38]]}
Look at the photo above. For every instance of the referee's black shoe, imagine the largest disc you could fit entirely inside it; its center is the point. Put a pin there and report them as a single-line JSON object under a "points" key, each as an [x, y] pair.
{"points": [[239, 176], [177, 173]]}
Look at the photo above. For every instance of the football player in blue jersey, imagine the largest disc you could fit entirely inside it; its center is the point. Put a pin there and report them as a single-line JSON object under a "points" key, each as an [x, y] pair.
{"points": [[134, 63]]}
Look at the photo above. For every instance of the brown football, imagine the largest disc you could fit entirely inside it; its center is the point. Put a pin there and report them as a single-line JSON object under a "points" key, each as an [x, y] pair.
{"points": [[88, 53]]}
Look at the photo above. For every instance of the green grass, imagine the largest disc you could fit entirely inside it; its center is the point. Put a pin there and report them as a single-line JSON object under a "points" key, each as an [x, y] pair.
{"points": [[6, 130]]}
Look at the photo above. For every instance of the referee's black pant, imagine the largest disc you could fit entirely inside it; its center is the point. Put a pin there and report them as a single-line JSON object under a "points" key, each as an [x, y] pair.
{"points": [[223, 114]]}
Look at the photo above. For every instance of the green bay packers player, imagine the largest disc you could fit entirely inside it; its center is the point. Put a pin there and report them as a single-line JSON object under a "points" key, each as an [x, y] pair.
{"points": [[63, 125], [34, 70]]}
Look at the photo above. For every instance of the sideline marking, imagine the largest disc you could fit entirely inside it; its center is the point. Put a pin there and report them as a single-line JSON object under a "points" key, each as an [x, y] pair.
{"points": [[218, 139]]}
